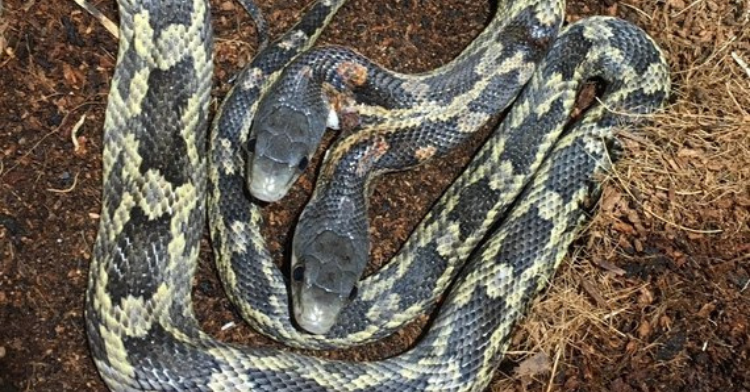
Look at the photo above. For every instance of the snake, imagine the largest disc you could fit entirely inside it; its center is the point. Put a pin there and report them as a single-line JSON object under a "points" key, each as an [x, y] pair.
{"points": [[400, 121], [493, 240]]}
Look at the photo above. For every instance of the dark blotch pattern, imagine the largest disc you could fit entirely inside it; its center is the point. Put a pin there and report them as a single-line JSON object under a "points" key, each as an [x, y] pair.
{"points": [[474, 203], [165, 144], [138, 254]]}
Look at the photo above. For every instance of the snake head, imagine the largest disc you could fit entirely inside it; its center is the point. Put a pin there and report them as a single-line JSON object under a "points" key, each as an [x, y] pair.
{"points": [[280, 150], [286, 132], [327, 264]]}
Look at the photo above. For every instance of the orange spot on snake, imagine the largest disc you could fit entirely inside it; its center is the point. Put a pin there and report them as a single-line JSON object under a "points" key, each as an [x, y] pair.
{"points": [[353, 73]]}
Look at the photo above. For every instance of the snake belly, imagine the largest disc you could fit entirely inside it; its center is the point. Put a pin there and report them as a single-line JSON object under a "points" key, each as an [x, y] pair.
{"points": [[140, 322]]}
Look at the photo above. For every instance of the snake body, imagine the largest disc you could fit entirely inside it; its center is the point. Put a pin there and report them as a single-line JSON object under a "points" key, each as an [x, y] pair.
{"points": [[139, 317], [402, 121]]}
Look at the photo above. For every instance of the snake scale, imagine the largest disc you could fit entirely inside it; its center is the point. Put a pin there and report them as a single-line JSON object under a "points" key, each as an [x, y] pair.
{"points": [[529, 187]]}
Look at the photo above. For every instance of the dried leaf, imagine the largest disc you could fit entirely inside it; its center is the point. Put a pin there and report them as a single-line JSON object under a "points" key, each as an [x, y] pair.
{"points": [[610, 199], [538, 363], [706, 309], [644, 330], [646, 297]]}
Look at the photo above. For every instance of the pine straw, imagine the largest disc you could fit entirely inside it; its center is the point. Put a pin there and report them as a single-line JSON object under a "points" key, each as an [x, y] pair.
{"points": [[683, 183]]}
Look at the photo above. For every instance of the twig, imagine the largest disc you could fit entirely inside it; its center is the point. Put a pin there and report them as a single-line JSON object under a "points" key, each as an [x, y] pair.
{"points": [[741, 63], [106, 22], [68, 190], [554, 368], [638, 10], [74, 133]]}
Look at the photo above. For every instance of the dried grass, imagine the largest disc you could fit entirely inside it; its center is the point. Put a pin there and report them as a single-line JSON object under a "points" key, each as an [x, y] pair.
{"points": [[683, 180]]}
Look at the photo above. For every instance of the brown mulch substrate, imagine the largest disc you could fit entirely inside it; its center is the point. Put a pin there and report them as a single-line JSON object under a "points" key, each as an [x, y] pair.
{"points": [[654, 296]]}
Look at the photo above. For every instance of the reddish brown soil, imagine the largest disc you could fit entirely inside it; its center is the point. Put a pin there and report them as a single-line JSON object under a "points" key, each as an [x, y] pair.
{"points": [[684, 328]]}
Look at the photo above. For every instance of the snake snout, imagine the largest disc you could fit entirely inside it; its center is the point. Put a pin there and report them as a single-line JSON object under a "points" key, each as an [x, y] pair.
{"points": [[269, 180], [325, 274]]}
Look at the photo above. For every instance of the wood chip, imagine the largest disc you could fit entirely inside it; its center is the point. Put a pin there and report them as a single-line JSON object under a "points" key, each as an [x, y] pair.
{"points": [[611, 267], [591, 291]]}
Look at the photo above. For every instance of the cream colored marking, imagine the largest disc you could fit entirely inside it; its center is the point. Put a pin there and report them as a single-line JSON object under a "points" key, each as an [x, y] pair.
{"points": [[293, 40], [366, 380], [117, 356], [597, 32], [549, 13], [391, 302], [227, 151], [120, 217], [503, 178], [157, 195], [520, 111], [655, 75], [143, 35], [472, 121], [556, 87], [484, 66], [239, 239], [253, 79], [497, 148], [446, 244], [416, 87], [190, 117], [140, 313]]}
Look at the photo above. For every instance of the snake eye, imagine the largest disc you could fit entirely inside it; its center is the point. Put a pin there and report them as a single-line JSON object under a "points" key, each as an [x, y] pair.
{"points": [[298, 273], [302, 165], [251, 144], [353, 293]]}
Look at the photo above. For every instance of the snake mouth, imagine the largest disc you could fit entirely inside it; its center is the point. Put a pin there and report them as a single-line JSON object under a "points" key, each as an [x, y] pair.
{"points": [[317, 310], [269, 180]]}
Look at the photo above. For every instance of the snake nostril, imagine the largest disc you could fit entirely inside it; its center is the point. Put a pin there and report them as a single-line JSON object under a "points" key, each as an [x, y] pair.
{"points": [[302, 165]]}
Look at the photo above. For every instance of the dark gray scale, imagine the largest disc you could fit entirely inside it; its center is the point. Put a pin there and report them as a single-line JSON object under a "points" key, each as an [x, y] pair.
{"points": [[473, 204], [152, 150]]}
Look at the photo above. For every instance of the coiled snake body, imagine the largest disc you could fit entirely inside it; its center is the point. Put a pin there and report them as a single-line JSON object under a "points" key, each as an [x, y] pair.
{"points": [[142, 330]]}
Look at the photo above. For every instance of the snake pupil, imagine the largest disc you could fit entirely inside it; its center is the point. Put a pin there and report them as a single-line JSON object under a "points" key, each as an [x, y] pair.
{"points": [[353, 293], [298, 273], [251, 144]]}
